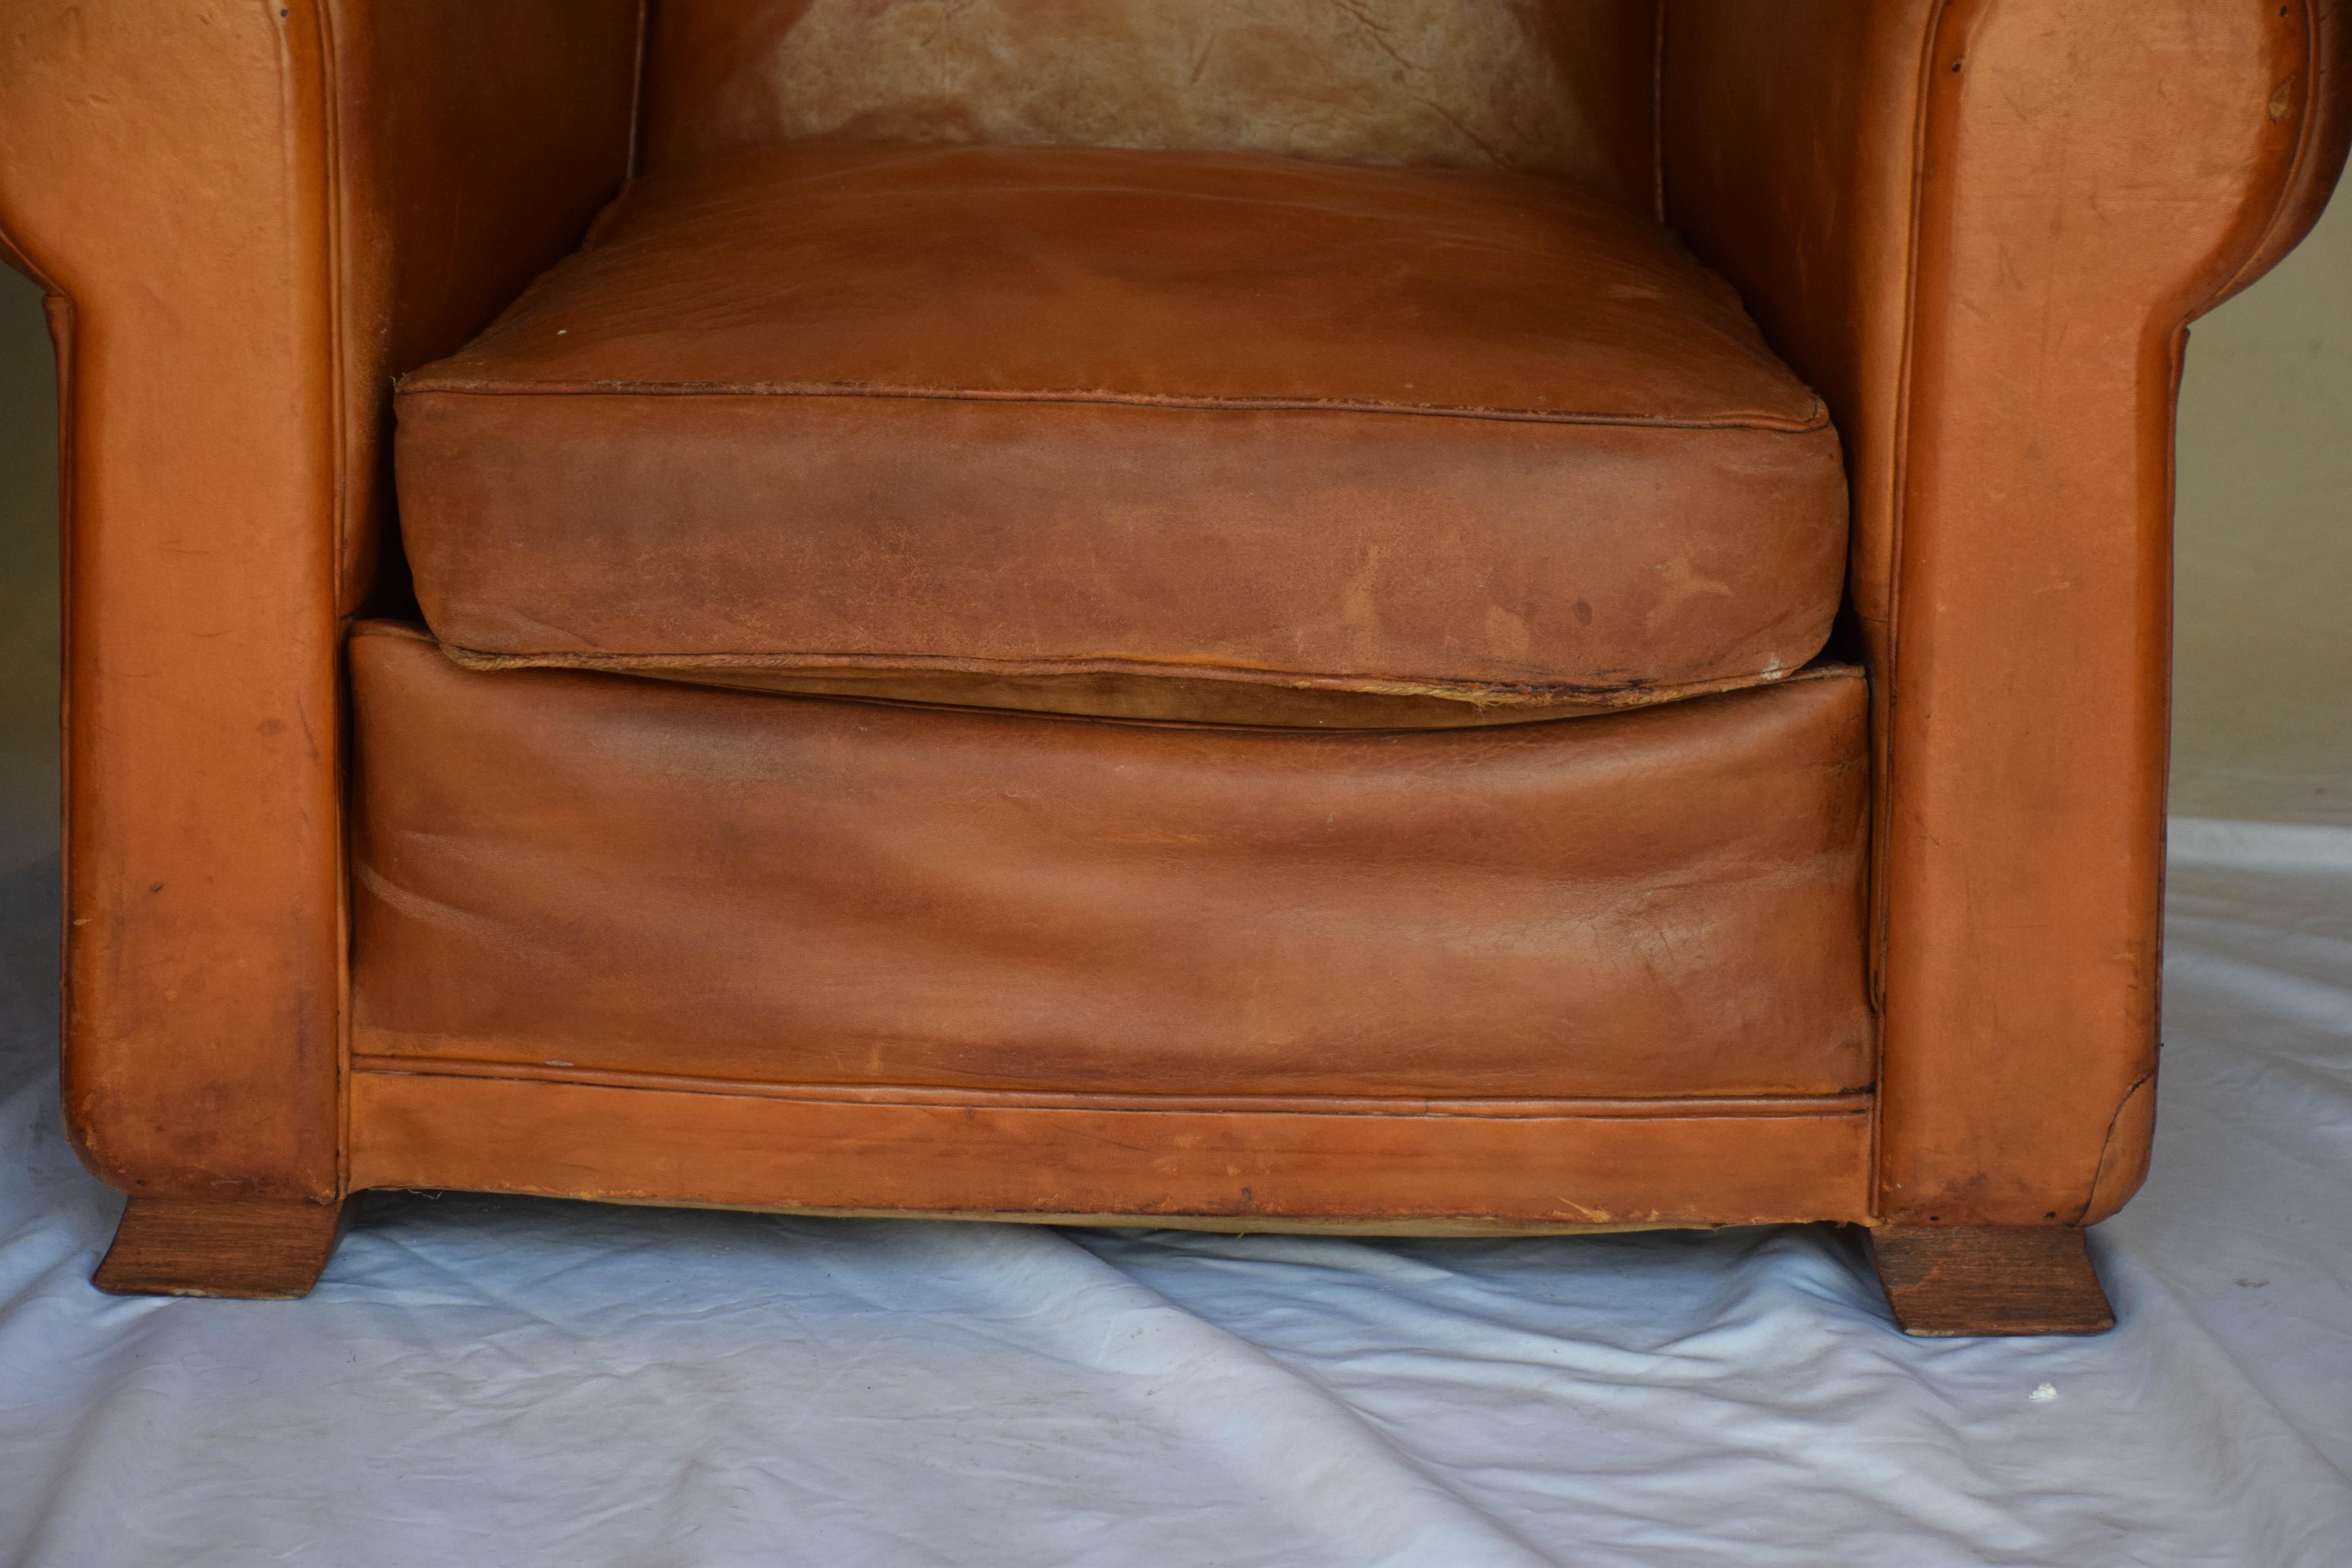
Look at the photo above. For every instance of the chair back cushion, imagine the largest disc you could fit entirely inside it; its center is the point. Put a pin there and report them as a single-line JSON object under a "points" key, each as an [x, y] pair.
{"points": [[1556, 87]]}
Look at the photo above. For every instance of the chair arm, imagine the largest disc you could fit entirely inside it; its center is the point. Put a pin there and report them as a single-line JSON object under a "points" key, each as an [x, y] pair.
{"points": [[1980, 226], [249, 216]]}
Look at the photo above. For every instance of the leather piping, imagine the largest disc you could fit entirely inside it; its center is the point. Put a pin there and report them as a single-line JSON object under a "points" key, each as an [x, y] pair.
{"points": [[19, 260], [2107, 1140], [2320, 148], [336, 196], [1885, 681], [1714, 1108], [1476, 695]]}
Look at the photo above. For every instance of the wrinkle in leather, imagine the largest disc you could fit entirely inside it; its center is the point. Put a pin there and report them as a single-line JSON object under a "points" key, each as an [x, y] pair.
{"points": [[646, 877]]}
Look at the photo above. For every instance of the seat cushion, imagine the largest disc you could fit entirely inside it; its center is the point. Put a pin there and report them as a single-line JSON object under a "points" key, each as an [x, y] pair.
{"points": [[1181, 436]]}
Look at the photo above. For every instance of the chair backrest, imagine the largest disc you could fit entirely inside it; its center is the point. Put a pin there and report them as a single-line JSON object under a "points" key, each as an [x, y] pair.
{"points": [[1556, 87]]}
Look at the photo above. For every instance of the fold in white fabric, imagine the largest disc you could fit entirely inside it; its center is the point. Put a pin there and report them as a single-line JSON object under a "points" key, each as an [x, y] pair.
{"points": [[523, 1382]]}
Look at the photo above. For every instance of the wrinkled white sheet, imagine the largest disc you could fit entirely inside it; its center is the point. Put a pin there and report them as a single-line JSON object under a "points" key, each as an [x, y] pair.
{"points": [[521, 1383]]}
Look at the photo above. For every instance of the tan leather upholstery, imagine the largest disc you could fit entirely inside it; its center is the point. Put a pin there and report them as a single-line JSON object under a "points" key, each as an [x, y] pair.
{"points": [[1978, 227], [642, 876], [1547, 85], [1010, 413], [232, 281], [1989, 271]]}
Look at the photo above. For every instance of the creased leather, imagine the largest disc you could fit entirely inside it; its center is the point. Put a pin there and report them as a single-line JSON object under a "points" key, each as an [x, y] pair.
{"points": [[1227, 417], [648, 876], [1154, 695]]}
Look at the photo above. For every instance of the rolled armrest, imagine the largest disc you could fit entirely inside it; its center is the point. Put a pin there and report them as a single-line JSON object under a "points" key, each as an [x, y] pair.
{"points": [[248, 217], [1980, 228]]}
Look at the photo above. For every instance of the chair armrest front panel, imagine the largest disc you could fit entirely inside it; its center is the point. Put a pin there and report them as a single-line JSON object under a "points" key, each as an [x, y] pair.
{"points": [[234, 271], [1980, 226]]}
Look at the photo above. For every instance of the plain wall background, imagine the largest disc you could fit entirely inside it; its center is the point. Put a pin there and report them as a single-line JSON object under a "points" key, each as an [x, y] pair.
{"points": [[2261, 658], [2262, 706], [30, 616]]}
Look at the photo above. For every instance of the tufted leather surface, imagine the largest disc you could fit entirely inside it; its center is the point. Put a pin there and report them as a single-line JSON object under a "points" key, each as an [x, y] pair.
{"points": [[1037, 426]]}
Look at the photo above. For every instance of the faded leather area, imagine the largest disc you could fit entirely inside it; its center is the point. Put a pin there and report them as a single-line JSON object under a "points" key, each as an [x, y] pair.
{"points": [[617, 875], [1040, 411], [1560, 87]]}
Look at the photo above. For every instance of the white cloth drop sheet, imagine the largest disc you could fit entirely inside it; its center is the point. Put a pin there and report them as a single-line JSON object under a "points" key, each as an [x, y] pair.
{"points": [[510, 1382]]}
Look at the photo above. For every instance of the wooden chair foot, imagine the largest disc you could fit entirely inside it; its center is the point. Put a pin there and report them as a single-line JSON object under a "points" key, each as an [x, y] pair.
{"points": [[1946, 1281], [245, 1249], [1991, 1280]]}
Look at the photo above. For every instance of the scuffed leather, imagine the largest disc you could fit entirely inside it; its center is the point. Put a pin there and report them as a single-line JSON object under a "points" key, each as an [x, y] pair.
{"points": [[1007, 414], [248, 217], [2008, 211], [1412, 1167], [160, 170], [644, 877], [1549, 86], [1979, 242]]}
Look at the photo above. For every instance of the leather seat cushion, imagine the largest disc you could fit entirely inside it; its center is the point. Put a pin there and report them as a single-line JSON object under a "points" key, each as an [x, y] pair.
{"points": [[1220, 436]]}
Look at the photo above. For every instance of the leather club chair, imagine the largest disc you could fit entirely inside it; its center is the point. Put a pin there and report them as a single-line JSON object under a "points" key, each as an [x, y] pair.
{"points": [[1430, 616]]}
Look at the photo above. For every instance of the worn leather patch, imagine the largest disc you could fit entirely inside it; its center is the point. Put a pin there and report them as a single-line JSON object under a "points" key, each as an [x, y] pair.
{"points": [[1559, 87]]}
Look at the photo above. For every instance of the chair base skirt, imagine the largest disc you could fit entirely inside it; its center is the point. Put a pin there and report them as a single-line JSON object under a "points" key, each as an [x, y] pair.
{"points": [[1423, 1168], [1956, 1281], [1942, 1281], [243, 1249]]}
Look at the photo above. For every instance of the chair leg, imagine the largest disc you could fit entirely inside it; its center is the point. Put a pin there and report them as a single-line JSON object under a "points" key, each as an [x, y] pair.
{"points": [[1947, 1281], [246, 1248]]}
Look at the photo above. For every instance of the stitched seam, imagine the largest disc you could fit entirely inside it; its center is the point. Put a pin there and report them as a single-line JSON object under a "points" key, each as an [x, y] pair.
{"points": [[1817, 420], [2106, 1141], [634, 157], [334, 214], [1642, 1107], [1880, 927], [2307, 143], [1400, 686]]}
